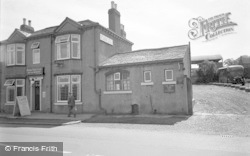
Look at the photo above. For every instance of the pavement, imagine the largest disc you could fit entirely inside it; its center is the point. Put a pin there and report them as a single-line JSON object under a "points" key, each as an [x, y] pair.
{"points": [[39, 118]]}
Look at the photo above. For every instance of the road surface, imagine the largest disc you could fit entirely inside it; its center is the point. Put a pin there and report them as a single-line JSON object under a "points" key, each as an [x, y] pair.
{"points": [[88, 139]]}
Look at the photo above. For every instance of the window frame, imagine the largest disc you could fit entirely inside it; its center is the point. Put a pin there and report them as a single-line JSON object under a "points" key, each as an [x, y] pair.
{"points": [[118, 84], [12, 54], [78, 46], [70, 83], [7, 94], [167, 70], [14, 86], [36, 52], [22, 54], [9, 58], [150, 76], [69, 41]]}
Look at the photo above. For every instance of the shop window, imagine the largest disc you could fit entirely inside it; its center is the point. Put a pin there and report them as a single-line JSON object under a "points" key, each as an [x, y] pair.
{"points": [[36, 52], [169, 75], [118, 81], [66, 84], [68, 46], [147, 76], [14, 88], [15, 54]]}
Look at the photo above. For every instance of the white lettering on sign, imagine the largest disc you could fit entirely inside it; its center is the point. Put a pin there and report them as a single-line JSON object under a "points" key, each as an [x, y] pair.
{"points": [[106, 39]]}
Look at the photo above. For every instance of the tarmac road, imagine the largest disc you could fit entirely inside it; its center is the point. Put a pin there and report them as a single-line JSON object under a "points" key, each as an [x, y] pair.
{"points": [[88, 139]]}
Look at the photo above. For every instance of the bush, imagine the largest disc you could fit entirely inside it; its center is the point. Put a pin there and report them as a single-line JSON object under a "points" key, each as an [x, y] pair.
{"points": [[207, 72]]}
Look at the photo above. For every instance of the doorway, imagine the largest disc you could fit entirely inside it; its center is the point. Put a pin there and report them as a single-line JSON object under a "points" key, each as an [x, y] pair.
{"points": [[37, 95]]}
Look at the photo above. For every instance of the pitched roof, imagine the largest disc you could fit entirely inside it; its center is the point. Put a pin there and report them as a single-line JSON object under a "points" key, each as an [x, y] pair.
{"points": [[206, 57], [48, 30], [24, 33], [146, 56]]}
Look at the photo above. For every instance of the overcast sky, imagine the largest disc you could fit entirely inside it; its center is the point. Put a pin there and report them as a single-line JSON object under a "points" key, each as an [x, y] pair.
{"points": [[148, 23]]}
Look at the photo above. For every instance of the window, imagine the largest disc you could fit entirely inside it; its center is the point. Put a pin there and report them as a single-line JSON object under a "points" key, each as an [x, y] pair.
{"points": [[11, 54], [14, 88], [66, 84], [36, 52], [68, 46], [15, 54], [19, 87], [36, 56], [118, 81], [168, 75], [147, 76]]}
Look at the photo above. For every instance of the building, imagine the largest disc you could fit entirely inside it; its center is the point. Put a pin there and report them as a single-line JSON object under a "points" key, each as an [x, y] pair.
{"points": [[98, 66]]}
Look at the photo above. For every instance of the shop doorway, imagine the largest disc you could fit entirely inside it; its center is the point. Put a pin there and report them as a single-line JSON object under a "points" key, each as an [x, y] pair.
{"points": [[37, 95]]}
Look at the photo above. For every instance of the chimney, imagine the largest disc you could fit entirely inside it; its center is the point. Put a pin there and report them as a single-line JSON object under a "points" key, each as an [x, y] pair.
{"points": [[27, 28], [24, 21], [29, 23], [114, 19]]}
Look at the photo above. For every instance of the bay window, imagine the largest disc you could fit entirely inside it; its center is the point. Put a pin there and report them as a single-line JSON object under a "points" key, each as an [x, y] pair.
{"points": [[68, 46], [15, 54], [14, 87], [66, 84]]}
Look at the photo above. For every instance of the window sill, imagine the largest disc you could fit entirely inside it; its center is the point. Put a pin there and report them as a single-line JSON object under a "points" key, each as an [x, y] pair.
{"points": [[169, 82], [9, 103], [147, 83], [118, 92], [16, 65], [66, 59], [66, 103]]}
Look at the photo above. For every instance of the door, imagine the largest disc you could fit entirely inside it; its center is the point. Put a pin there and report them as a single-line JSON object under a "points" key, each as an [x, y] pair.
{"points": [[37, 95]]}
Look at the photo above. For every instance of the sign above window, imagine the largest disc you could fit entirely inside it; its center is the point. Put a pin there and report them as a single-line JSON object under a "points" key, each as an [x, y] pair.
{"points": [[106, 39], [35, 71]]}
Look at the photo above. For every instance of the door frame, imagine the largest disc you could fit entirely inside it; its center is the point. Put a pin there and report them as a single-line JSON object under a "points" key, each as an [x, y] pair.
{"points": [[32, 81]]}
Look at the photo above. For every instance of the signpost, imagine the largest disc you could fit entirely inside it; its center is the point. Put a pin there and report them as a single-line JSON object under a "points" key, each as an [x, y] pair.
{"points": [[21, 106]]}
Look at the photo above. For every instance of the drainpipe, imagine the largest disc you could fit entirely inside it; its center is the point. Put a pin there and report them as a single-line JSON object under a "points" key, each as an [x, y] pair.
{"points": [[96, 70], [51, 76]]}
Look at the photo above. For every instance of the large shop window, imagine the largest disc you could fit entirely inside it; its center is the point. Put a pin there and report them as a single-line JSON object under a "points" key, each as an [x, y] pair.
{"points": [[14, 87], [118, 81], [68, 46], [15, 54], [66, 84]]}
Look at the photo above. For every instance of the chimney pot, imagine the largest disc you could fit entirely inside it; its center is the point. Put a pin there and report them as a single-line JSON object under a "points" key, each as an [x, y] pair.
{"points": [[113, 5], [29, 23], [24, 21]]}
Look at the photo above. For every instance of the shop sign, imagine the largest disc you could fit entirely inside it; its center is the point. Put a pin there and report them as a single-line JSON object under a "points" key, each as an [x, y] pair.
{"points": [[106, 39], [35, 71]]}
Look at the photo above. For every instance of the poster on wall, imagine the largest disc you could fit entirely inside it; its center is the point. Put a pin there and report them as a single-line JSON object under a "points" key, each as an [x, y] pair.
{"points": [[21, 107]]}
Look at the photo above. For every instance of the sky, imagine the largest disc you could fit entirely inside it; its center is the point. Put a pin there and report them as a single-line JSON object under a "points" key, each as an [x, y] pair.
{"points": [[148, 23]]}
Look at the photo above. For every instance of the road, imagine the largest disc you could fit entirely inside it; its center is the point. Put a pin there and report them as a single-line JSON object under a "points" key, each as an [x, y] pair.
{"points": [[88, 139]]}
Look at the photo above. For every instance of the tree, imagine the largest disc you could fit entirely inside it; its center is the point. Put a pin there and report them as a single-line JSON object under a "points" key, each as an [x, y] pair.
{"points": [[231, 61], [206, 72]]}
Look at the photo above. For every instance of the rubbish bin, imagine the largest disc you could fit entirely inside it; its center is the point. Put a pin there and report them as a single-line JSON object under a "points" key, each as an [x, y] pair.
{"points": [[135, 109]]}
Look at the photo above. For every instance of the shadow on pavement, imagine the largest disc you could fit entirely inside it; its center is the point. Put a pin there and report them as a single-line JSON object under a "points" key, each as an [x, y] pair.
{"points": [[159, 120]]}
